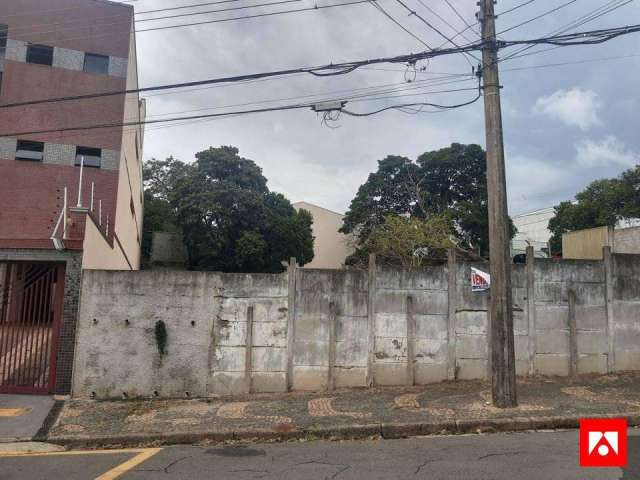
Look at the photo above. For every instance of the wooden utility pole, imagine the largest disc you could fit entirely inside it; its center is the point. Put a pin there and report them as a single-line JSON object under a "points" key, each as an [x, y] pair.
{"points": [[503, 365]]}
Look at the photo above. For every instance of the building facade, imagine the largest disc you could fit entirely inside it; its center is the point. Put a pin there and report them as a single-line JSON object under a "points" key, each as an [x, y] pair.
{"points": [[533, 230], [330, 247], [71, 197]]}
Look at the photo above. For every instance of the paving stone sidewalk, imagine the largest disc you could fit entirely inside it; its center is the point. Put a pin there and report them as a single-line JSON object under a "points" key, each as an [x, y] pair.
{"points": [[450, 407]]}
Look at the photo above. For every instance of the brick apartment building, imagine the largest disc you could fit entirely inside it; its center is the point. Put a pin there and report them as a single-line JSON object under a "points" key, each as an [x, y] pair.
{"points": [[69, 200]]}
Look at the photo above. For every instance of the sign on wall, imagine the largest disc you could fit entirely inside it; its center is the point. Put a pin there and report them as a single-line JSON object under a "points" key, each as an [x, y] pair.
{"points": [[480, 281]]}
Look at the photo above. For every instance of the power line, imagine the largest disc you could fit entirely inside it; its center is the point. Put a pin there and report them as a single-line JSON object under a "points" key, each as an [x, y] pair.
{"points": [[428, 24], [408, 105], [321, 71], [357, 93], [523, 4], [443, 20], [224, 114], [461, 17], [181, 7], [367, 97], [165, 27], [307, 9], [280, 2], [406, 30], [575, 62], [577, 38], [537, 17], [582, 20]]}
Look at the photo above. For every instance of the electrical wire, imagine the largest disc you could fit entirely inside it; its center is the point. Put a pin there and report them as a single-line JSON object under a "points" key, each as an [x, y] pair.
{"points": [[222, 114], [268, 4], [582, 20], [577, 38], [320, 71], [112, 32], [428, 24], [537, 17], [443, 20], [406, 30], [461, 17], [407, 105], [208, 22], [513, 9], [575, 62]]}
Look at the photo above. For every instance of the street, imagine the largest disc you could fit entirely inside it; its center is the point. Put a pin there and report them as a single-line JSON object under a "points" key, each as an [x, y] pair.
{"points": [[530, 455]]}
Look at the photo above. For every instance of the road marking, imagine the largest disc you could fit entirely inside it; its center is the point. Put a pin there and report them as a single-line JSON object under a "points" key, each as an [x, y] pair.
{"points": [[143, 454], [129, 464], [13, 412]]}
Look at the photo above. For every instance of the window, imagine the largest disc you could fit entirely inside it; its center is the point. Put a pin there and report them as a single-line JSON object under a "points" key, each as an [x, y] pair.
{"points": [[92, 156], [29, 151], [3, 49], [40, 54], [96, 63], [4, 33]]}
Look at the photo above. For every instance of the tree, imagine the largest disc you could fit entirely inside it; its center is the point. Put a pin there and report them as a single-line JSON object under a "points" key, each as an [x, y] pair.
{"points": [[229, 219], [410, 242], [603, 203], [448, 183], [159, 178]]}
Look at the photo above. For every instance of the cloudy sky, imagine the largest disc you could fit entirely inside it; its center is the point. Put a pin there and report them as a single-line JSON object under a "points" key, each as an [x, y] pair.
{"points": [[565, 125]]}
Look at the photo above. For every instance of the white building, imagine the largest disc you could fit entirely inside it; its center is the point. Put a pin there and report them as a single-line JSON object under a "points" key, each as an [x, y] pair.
{"points": [[533, 229]]}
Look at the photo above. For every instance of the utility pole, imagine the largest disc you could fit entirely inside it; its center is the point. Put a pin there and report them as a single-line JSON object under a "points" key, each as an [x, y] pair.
{"points": [[503, 365]]}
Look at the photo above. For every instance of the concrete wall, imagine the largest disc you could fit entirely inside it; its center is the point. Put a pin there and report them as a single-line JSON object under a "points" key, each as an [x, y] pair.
{"points": [[626, 240], [311, 329]]}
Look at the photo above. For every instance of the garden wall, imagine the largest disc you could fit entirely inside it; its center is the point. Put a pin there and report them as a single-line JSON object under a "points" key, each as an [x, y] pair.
{"points": [[311, 329]]}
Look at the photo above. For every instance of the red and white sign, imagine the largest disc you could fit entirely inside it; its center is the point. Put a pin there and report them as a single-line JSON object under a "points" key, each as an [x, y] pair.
{"points": [[480, 281], [603, 442]]}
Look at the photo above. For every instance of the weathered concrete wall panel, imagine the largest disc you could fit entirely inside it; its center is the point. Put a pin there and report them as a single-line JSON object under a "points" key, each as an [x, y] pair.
{"points": [[229, 333]]}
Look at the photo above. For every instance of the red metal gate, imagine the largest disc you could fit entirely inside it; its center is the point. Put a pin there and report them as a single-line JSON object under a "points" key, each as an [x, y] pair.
{"points": [[31, 296]]}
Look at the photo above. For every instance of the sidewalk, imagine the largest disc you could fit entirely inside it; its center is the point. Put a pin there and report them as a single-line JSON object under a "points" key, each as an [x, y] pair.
{"points": [[23, 417], [450, 407]]}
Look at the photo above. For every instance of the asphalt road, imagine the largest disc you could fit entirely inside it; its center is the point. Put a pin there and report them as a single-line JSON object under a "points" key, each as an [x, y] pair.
{"points": [[534, 456]]}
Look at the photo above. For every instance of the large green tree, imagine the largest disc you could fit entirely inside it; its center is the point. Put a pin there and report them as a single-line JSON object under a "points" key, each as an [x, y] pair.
{"points": [[229, 219], [449, 183], [603, 203]]}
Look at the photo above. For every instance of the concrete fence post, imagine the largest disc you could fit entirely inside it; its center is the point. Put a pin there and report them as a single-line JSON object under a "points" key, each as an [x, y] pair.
{"points": [[573, 337], [411, 342], [452, 267], [608, 271], [292, 273], [371, 319], [331, 374], [248, 358], [531, 308]]}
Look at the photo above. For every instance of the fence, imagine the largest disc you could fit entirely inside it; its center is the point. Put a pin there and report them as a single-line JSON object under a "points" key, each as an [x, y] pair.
{"points": [[322, 329]]}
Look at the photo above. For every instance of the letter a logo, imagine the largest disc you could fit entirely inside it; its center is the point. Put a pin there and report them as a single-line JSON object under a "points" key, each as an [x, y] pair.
{"points": [[603, 442]]}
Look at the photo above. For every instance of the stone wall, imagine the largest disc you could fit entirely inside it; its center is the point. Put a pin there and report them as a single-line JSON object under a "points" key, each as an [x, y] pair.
{"points": [[310, 329]]}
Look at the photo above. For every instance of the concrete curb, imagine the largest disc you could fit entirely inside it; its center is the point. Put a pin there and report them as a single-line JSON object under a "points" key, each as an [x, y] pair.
{"points": [[336, 432]]}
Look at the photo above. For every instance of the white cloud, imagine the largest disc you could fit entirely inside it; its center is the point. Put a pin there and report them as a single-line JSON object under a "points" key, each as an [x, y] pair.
{"points": [[610, 151], [574, 107]]}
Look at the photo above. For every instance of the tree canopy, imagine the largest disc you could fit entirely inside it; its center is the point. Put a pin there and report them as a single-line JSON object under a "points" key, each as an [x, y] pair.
{"points": [[603, 203], [229, 219], [449, 184]]}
